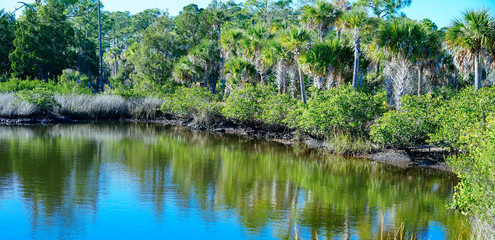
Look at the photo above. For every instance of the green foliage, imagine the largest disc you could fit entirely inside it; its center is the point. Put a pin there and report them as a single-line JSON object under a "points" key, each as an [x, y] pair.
{"points": [[43, 42], [7, 29], [476, 192], [239, 71], [15, 85], [410, 126], [340, 110], [275, 109], [244, 104], [191, 102], [72, 82], [468, 108], [41, 97]]}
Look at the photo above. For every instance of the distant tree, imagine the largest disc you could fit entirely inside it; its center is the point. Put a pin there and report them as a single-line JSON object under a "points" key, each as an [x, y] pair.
{"points": [[385, 8], [43, 43], [192, 25], [7, 36], [327, 61], [155, 54]]}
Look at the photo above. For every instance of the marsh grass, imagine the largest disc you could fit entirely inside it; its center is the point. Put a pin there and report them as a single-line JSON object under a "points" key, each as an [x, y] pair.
{"points": [[106, 107], [346, 144], [83, 107], [13, 107]]}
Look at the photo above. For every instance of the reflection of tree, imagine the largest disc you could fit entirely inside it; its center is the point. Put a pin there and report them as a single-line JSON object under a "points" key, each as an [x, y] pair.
{"points": [[59, 169]]}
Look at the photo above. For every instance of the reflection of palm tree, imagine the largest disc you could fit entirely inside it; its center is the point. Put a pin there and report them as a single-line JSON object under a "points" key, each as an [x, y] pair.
{"points": [[471, 34]]}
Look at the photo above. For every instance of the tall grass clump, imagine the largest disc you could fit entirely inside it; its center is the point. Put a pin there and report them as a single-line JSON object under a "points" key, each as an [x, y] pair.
{"points": [[13, 107], [92, 107]]}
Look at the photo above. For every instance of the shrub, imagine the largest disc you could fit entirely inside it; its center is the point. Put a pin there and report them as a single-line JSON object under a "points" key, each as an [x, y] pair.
{"points": [[410, 126], [42, 98], [74, 82], [475, 193], [191, 102], [469, 108], [275, 109], [16, 85], [245, 104], [341, 109]]}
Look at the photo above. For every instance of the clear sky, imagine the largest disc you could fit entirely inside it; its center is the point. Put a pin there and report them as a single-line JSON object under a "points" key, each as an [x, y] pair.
{"points": [[439, 11]]}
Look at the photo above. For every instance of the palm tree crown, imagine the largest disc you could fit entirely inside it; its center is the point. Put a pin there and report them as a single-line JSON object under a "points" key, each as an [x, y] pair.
{"points": [[472, 33]]}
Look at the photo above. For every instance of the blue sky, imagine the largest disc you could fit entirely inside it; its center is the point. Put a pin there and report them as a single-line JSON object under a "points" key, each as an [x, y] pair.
{"points": [[439, 11]]}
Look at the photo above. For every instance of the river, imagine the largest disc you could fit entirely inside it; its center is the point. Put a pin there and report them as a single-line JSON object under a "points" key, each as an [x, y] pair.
{"points": [[150, 181]]}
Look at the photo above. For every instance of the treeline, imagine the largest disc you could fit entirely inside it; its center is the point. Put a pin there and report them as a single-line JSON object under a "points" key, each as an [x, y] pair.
{"points": [[360, 75]]}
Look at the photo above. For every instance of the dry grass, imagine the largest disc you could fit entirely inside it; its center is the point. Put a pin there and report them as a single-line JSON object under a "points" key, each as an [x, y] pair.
{"points": [[106, 107], [84, 107], [12, 107], [340, 143]]}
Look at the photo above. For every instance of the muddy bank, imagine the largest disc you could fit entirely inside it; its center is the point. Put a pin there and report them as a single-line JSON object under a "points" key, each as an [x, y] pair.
{"points": [[433, 158]]}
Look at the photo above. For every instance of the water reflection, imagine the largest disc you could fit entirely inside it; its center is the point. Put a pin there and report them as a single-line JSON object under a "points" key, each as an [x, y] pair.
{"points": [[128, 180]]}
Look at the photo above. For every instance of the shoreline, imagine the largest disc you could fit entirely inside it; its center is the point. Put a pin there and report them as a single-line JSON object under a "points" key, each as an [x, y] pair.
{"points": [[431, 158]]}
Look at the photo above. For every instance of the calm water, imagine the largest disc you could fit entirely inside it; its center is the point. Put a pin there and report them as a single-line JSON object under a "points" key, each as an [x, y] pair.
{"points": [[145, 181]]}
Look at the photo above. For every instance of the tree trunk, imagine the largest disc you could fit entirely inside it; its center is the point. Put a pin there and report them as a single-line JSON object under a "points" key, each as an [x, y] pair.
{"points": [[303, 91], [293, 81], [207, 75], [116, 65], [357, 51], [477, 83], [420, 74], [355, 73]]}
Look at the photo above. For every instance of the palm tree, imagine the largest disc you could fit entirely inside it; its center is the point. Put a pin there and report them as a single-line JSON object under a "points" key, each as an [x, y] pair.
{"points": [[206, 55], [355, 21], [184, 71], [320, 16], [230, 41], [327, 60], [282, 57], [254, 45], [404, 42], [239, 71], [296, 41], [472, 33], [429, 49]]}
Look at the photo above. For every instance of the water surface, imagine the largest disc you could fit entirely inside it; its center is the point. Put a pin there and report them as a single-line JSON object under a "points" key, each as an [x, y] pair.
{"points": [[148, 181]]}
